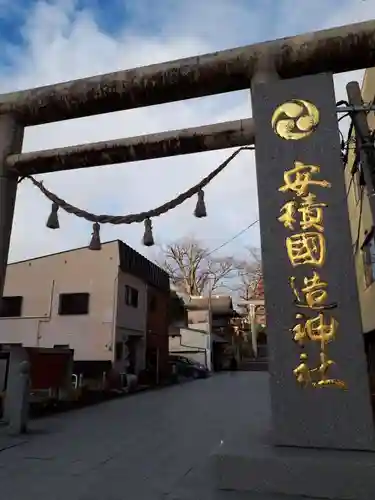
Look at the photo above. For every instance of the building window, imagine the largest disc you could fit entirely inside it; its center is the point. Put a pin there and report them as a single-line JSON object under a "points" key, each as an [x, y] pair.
{"points": [[73, 304], [11, 307], [369, 260], [131, 296]]}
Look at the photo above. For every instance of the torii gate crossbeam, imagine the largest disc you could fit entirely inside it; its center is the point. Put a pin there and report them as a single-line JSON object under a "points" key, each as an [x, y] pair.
{"points": [[236, 133], [334, 50]]}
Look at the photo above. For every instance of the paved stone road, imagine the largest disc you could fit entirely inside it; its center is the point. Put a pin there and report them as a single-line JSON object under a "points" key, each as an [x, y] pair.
{"points": [[150, 446]]}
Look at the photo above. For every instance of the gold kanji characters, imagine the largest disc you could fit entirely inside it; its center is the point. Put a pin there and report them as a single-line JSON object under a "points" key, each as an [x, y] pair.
{"points": [[299, 331], [313, 294], [317, 329], [306, 248], [311, 213], [316, 377], [322, 370], [325, 364], [302, 371], [303, 215], [288, 212], [300, 178]]}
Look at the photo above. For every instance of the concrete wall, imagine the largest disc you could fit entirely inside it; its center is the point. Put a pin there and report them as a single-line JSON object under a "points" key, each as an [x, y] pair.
{"points": [[360, 218], [132, 321], [40, 281], [197, 317], [158, 314], [192, 343]]}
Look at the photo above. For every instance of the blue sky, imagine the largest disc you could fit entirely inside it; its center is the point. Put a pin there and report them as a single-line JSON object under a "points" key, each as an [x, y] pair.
{"points": [[152, 17], [46, 42], [109, 16]]}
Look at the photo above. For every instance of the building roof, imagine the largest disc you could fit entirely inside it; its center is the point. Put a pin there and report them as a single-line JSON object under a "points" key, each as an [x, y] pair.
{"points": [[220, 304], [136, 264], [131, 262], [111, 242]]}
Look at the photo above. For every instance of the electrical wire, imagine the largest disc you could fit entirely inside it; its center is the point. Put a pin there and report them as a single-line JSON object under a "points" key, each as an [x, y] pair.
{"points": [[240, 233], [233, 237]]}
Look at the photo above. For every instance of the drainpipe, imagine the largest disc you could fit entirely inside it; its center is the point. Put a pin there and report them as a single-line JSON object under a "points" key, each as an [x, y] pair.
{"points": [[45, 319], [41, 319], [114, 316]]}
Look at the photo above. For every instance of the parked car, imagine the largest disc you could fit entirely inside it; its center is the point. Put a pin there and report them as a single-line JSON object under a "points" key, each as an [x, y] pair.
{"points": [[188, 368]]}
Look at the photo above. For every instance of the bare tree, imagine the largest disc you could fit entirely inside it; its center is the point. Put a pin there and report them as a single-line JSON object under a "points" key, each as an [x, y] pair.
{"points": [[192, 268], [249, 274]]}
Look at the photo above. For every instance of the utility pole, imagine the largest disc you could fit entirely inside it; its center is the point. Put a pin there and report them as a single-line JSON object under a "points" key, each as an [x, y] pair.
{"points": [[364, 141], [209, 356], [252, 322]]}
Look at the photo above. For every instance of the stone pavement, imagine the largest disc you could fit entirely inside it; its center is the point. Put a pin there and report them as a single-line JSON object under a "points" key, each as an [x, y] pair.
{"points": [[152, 446]]}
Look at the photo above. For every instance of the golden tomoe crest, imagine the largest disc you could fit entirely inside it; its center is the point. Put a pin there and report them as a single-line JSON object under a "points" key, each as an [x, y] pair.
{"points": [[295, 119]]}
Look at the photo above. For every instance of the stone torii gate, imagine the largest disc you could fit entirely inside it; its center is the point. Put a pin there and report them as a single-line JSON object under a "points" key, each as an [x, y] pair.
{"points": [[314, 420]]}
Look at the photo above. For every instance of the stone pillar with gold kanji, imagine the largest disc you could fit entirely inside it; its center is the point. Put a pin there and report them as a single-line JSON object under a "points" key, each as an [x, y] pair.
{"points": [[319, 383]]}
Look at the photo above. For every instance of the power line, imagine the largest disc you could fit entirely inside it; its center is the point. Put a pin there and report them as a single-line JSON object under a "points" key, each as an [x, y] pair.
{"points": [[233, 237], [220, 246]]}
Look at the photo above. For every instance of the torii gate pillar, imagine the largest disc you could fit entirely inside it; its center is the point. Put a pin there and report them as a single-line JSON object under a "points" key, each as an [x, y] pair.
{"points": [[321, 429], [11, 137]]}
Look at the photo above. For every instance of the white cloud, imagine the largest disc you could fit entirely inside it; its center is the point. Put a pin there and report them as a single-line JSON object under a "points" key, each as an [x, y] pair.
{"points": [[62, 43]]}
